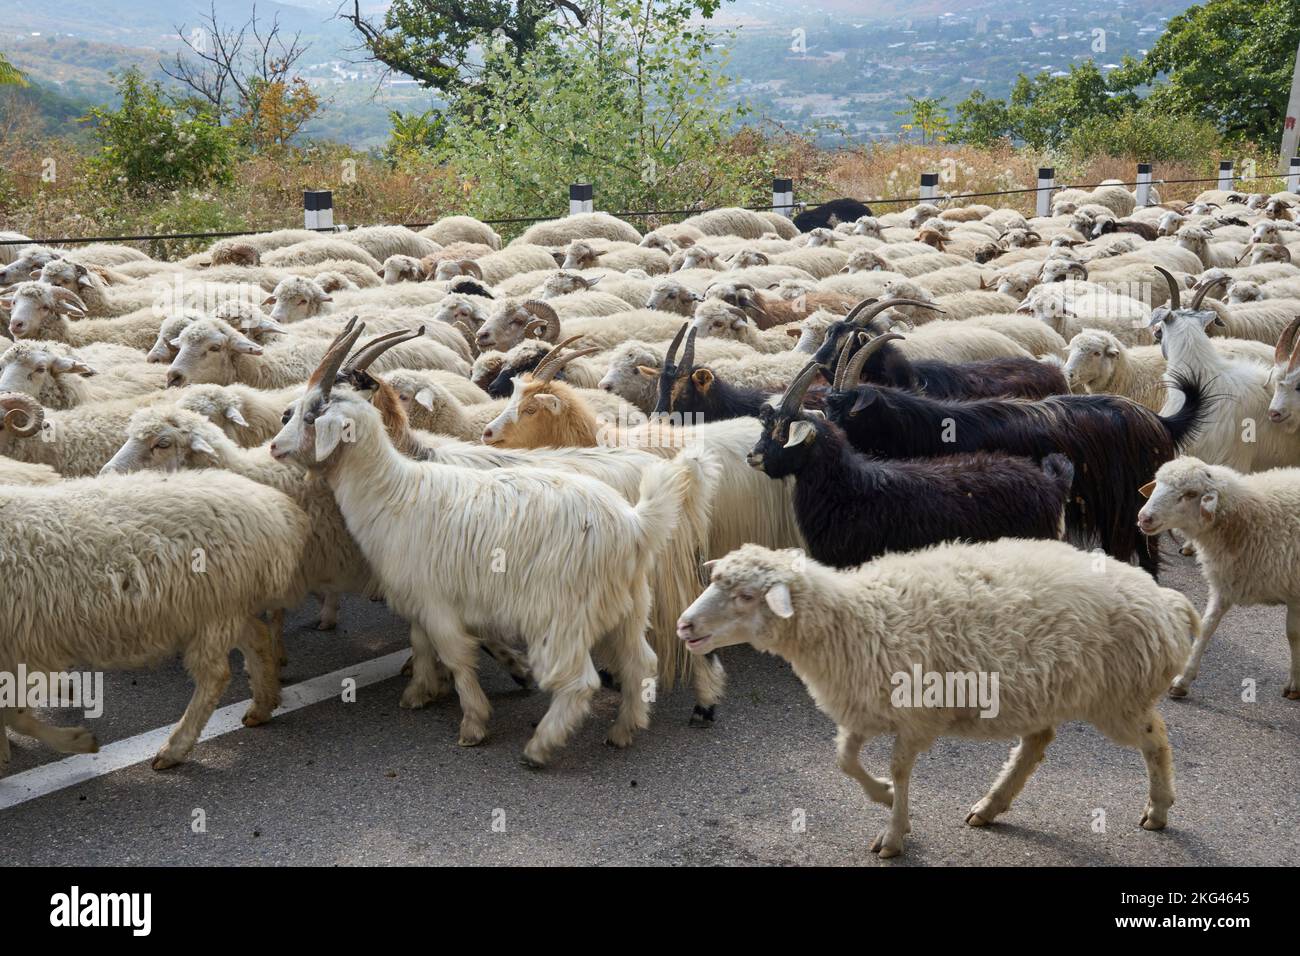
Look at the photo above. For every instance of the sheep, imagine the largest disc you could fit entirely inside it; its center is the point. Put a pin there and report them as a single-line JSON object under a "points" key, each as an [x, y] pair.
{"points": [[1032, 336], [779, 223], [12, 249], [450, 268], [406, 380], [524, 357], [41, 311], [717, 318], [331, 271], [211, 350], [60, 377], [264, 242], [517, 258], [234, 252], [249, 319], [1245, 530], [599, 535], [1114, 197], [126, 593], [631, 290], [695, 257], [583, 254], [634, 367], [951, 280], [768, 311], [1114, 444], [1070, 307], [1099, 648], [1098, 363], [461, 229], [403, 269], [26, 473], [248, 416], [956, 305], [512, 322], [846, 503], [172, 439], [384, 241], [1199, 240], [820, 263], [594, 225], [728, 221], [318, 250]]}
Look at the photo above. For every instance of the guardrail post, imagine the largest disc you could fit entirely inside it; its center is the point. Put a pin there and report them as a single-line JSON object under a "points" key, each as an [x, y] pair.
{"points": [[580, 200], [1143, 191], [1043, 198], [1294, 184], [783, 197], [318, 209], [929, 183], [1226, 178]]}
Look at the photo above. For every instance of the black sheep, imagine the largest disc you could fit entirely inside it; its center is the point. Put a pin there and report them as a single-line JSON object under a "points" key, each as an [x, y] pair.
{"points": [[852, 508], [828, 214]]}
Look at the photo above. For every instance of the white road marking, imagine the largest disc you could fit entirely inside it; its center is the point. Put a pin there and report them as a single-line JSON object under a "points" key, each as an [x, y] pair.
{"points": [[78, 768]]}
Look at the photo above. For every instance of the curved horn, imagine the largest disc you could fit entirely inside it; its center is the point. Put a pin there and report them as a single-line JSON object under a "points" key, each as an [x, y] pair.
{"points": [[470, 267], [793, 396], [845, 354], [688, 355], [366, 355], [671, 354], [873, 307], [67, 295], [16, 407], [1205, 290], [329, 365], [1283, 349], [545, 314], [1076, 267], [1175, 295], [853, 373], [553, 363]]}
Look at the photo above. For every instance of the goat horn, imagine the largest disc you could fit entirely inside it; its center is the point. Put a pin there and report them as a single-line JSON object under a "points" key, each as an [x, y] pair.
{"points": [[540, 372], [365, 356], [671, 355], [547, 315], [793, 396], [1205, 290], [1283, 349], [845, 354], [688, 355], [17, 406], [558, 362], [329, 366], [853, 372], [873, 307], [1175, 297]]}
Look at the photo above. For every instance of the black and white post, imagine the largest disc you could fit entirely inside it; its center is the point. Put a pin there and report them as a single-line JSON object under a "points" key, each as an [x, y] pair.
{"points": [[1143, 191], [580, 200], [1226, 178], [929, 185], [318, 209], [1293, 175], [1291, 124], [1043, 198], [783, 197]]}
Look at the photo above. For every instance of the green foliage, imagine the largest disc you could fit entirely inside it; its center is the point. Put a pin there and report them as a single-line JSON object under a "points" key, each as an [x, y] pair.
{"points": [[10, 75], [1145, 134], [929, 115], [1229, 62], [413, 133], [981, 121], [147, 143], [632, 103]]}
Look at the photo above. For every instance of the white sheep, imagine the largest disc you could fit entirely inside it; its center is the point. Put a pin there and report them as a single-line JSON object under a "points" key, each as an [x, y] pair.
{"points": [[591, 225], [61, 377], [461, 229], [41, 311], [587, 254], [318, 250], [718, 319], [728, 221], [1067, 636], [512, 322], [1246, 529]]}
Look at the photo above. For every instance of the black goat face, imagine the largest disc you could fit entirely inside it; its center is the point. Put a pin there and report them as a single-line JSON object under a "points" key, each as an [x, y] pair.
{"points": [[785, 444]]}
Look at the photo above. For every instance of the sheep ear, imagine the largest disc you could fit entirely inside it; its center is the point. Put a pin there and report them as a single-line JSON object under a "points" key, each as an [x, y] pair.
{"points": [[778, 599], [801, 433], [794, 333], [199, 446], [647, 371], [326, 298], [235, 415], [245, 345], [64, 365], [551, 403], [84, 280], [269, 300], [425, 397], [1209, 504], [1145, 490]]}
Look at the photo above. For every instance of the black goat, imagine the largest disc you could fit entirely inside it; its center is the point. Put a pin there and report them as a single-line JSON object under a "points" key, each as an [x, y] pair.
{"points": [[852, 508], [879, 363], [828, 214], [860, 318], [1114, 444], [500, 384], [698, 392]]}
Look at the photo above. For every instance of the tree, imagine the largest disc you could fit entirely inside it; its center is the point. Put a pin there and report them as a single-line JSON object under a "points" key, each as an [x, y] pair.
{"points": [[929, 115], [10, 75], [1229, 61]]}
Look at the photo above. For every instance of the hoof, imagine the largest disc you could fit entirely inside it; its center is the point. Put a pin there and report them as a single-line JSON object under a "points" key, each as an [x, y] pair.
{"points": [[1177, 691], [162, 762], [1291, 692], [325, 625], [471, 738], [703, 716], [975, 820], [1150, 822], [882, 846], [530, 763], [256, 718]]}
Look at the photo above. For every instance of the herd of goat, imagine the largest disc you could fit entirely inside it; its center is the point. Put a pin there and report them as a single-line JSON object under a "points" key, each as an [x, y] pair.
{"points": [[934, 438]]}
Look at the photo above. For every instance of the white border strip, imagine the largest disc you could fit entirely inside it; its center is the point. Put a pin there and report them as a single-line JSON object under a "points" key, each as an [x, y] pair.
{"points": [[79, 768]]}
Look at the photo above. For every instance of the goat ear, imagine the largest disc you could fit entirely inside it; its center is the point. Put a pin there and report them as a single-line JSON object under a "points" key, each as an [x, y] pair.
{"points": [[1209, 504], [329, 429], [703, 378], [794, 333], [425, 397], [235, 415], [647, 371], [863, 400], [1145, 490], [550, 402], [199, 446], [801, 433], [778, 599]]}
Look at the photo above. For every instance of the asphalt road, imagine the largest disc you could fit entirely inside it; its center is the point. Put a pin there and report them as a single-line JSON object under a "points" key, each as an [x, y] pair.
{"points": [[370, 783]]}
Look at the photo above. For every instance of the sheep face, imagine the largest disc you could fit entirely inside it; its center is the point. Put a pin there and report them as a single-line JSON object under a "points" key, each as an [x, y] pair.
{"points": [[513, 322], [920, 213], [38, 310], [1015, 285], [698, 257], [864, 260], [670, 296], [1183, 497], [749, 258], [633, 374], [66, 275], [1272, 252], [208, 350], [564, 283], [580, 255], [868, 226], [749, 600], [296, 298], [1170, 223], [31, 367], [718, 319], [401, 268], [220, 406], [812, 332], [166, 440], [163, 350], [1243, 290], [31, 260], [1092, 359], [653, 240], [459, 308], [1263, 232], [822, 237]]}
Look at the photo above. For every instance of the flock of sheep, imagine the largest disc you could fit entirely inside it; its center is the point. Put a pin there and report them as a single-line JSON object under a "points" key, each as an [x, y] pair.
{"points": [[873, 443]]}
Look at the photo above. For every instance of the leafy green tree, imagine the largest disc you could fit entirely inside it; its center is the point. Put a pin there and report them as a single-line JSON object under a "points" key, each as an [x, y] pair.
{"points": [[981, 121], [1144, 134], [1229, 62], [928, 115], [10, 75], [147, 143]]}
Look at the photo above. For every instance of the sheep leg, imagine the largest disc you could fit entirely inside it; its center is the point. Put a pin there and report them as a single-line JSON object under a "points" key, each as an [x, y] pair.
{"points": [[1024, 760], [1292, 690], [263, 665], [277, 637], [848, 746], [427, 672], [890, 841], [66, 740], [1214, 611], [571, 695], [510, 659], [211, 674], [636, 665], [458, 651], [709, 680], [1153, 741], [329, 611]]}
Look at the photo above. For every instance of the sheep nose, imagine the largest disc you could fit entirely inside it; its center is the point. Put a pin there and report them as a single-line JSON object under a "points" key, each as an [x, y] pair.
{"points": [[685, 628], [488, 434], [606, 386], [175, 379], [1274, 415]]}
